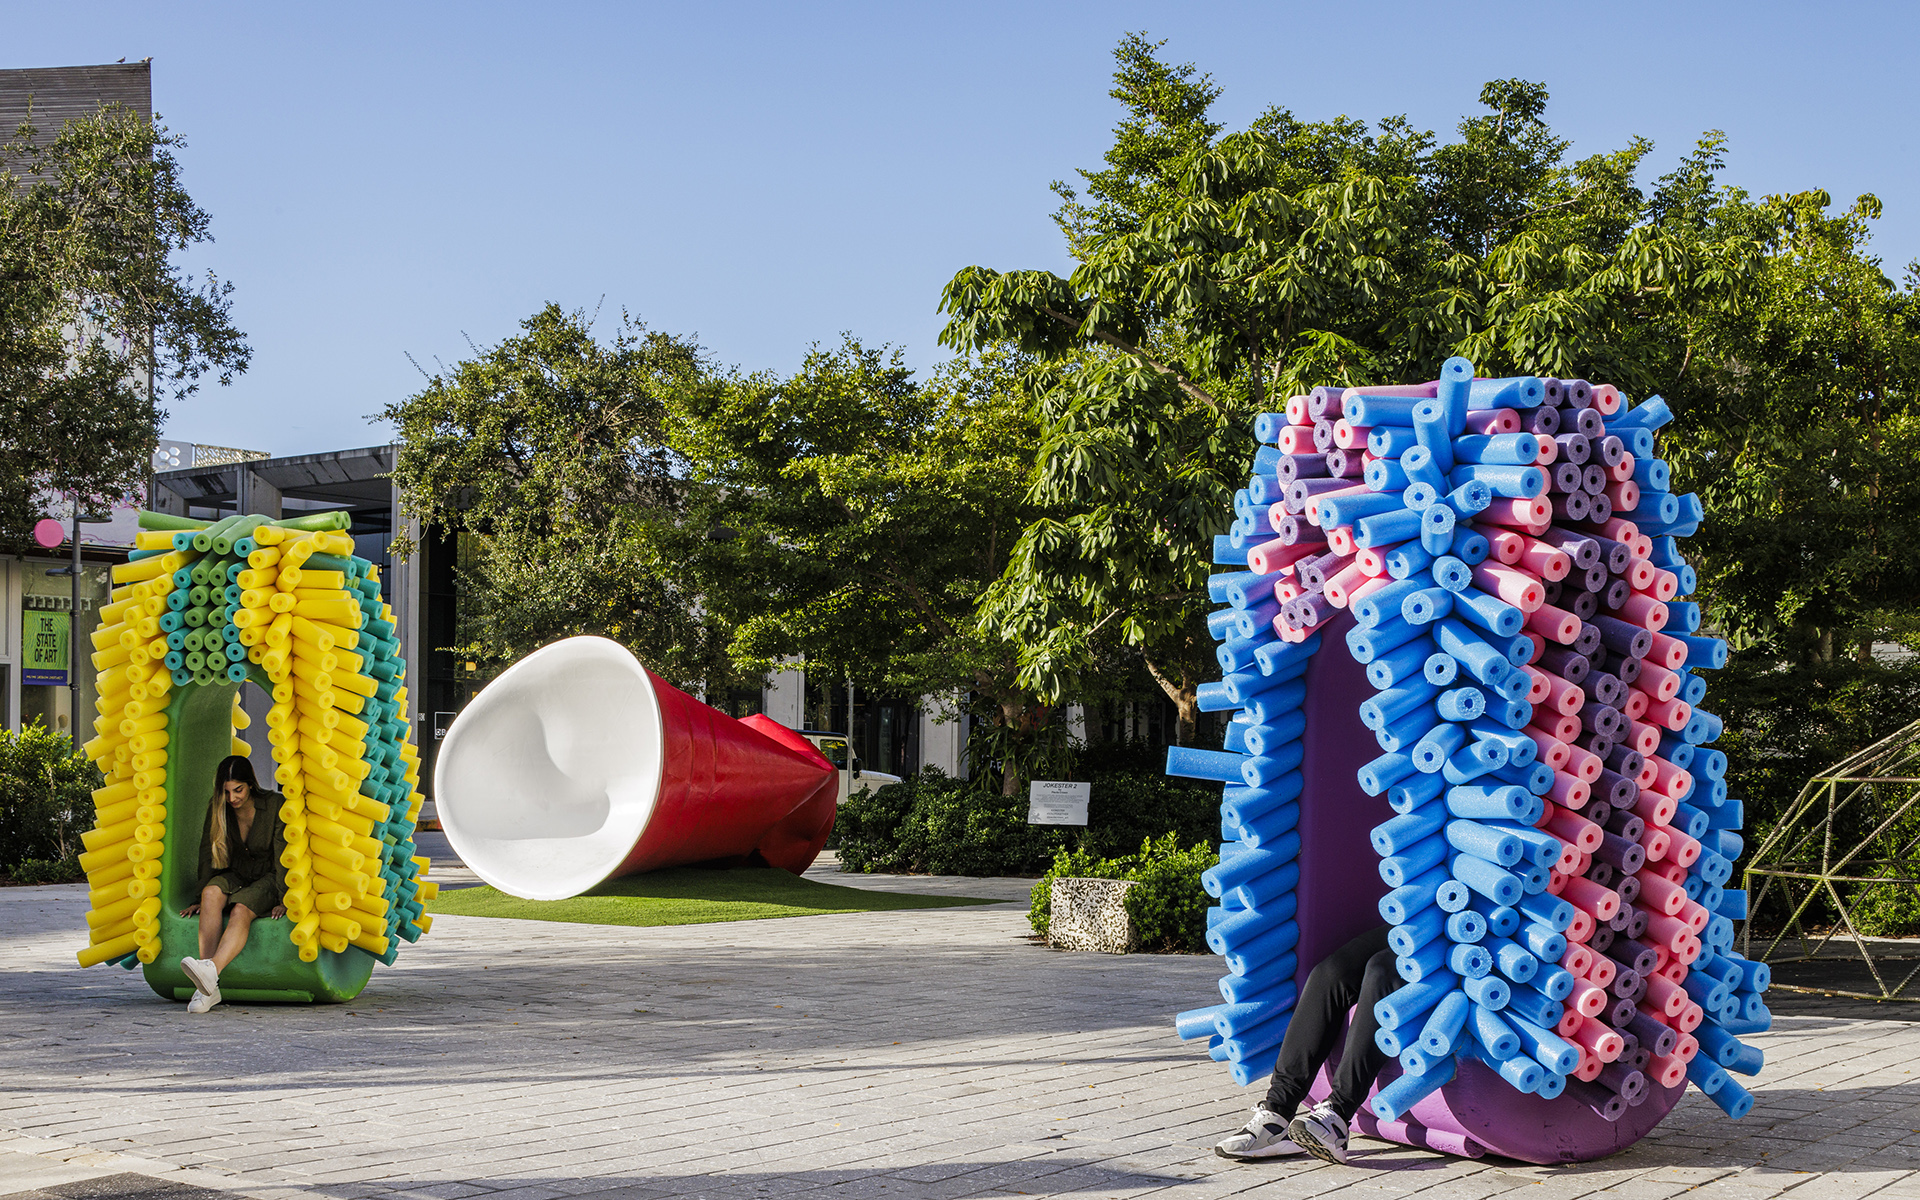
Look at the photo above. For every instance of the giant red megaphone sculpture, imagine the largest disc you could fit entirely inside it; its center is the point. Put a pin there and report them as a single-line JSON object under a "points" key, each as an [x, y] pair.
{"points": [[579, 765]]}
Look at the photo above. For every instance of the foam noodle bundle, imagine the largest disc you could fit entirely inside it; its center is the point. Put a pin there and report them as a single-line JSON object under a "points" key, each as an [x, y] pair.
{"points": [[1510, 732], [578, 765], [199, 611]]}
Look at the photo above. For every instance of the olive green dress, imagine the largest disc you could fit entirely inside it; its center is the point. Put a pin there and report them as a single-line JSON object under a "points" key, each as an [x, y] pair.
{"points": [[253, 875]]}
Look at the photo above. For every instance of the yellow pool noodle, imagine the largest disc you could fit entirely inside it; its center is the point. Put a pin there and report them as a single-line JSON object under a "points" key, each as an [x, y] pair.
{"points": [[336, 878], [360, 684], [111, 835], [344, 856], [372, 943], [333, 942], [112, 915], [106, 856], [120, 947], [111, 876], [114, 814], [108, 931], [341, 924]]}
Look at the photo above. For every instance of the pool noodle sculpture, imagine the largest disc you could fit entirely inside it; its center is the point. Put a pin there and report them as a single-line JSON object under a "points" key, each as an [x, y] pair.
{"points": [[1552, 833], [578, 765], [200, 610]]}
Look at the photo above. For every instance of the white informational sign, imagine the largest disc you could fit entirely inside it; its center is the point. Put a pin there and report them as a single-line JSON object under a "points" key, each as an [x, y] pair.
{"points": [[1054, 802]]}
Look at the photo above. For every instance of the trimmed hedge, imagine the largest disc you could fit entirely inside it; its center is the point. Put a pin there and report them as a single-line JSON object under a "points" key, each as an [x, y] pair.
{"points": [[1168, 909], [936, 825]]}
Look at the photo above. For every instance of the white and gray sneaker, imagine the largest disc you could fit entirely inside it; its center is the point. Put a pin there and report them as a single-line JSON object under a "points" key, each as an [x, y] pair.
{"points": [[1263, 1137], [201, 1002], [1320, 1132], [205, 977]]}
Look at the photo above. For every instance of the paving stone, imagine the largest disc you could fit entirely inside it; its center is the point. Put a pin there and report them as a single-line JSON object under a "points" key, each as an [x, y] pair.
{"points": [[933, 1054]]}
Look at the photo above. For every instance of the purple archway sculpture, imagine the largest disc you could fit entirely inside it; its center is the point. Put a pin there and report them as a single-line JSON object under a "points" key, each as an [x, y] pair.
{"points": [[1338, 897]]}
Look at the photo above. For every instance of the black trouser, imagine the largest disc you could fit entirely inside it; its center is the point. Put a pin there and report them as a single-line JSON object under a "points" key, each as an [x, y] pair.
{"points": [[1358, 973]]}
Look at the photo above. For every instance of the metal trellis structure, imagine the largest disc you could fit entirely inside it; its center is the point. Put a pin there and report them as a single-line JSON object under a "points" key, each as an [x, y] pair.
{"points": [[1852, 833]]}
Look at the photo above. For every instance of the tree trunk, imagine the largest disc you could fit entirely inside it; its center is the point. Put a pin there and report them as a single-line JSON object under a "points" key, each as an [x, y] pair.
{"points": [[1185, 695]]}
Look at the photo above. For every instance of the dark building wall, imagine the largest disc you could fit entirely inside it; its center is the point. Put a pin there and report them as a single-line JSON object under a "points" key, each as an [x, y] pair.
{"points": [[60, 94]]}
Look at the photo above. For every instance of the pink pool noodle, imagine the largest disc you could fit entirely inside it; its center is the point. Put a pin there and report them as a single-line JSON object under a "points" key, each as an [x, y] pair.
{"points": [[1296, 439], [1554, 624]]}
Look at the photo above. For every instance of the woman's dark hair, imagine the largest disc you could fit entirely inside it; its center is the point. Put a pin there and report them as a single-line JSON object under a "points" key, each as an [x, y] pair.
{"points": [[231, 768]]}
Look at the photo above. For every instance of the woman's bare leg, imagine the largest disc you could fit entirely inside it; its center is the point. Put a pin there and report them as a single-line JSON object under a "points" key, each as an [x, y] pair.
{"points": [[234, 939], [213, 902]]}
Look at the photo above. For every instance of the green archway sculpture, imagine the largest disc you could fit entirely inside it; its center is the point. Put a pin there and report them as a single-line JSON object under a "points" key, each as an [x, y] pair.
{"points": [[202, 611]]}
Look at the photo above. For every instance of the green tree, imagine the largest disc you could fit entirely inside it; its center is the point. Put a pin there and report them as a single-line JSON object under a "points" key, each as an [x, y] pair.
{"points": [[1218, 274], [97, 320], [852, 516], [550, 450], [1799, 423]]}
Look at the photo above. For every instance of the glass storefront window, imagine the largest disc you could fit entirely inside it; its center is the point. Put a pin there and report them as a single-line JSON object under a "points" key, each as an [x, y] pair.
{"points": [[51, 596]]}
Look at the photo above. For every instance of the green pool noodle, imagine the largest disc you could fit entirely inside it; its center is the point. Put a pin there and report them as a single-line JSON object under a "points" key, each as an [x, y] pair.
{"points": [[203, 541], [236, 528], [154, 520], [322, 522]]}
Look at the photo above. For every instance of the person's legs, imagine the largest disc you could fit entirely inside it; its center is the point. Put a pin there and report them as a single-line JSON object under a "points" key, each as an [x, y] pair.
{"points": [[1334, 986], [213, 903], [1362, 1058], [234, 940]]}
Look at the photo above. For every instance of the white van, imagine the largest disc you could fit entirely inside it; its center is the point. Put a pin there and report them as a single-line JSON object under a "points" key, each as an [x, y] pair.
{"points": [[854, 777]]}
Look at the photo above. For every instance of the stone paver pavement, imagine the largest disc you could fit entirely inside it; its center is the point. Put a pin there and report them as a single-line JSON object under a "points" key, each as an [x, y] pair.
{"points": [[933, 1054]]}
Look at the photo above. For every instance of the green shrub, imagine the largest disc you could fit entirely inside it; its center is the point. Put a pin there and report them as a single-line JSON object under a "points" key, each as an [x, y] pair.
{"points": [[1168, 909], [935, 824], [41, 870], [46, 798]]}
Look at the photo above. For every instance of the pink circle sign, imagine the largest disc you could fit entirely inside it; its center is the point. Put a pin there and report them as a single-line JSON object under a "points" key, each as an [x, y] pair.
{"points": [[48, 533]]}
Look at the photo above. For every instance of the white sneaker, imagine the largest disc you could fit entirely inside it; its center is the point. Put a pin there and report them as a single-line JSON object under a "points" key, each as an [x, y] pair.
{"points": [[201, 1002], [1321, 1132], [1263, 1137], [205, 977]]}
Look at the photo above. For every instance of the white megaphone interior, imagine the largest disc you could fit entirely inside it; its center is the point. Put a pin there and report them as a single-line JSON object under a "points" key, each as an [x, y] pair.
{"points": [[549, 775]]}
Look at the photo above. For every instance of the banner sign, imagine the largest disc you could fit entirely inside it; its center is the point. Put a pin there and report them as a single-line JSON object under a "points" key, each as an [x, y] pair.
{"points": [[44, 638], [1053, 802]]}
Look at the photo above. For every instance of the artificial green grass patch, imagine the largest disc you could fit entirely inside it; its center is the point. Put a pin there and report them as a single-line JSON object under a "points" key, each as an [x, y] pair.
{"points": [[691, 896]]}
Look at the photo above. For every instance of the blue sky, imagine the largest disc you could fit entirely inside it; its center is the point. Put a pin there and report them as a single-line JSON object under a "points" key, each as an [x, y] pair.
{"points": [[387, 180]]}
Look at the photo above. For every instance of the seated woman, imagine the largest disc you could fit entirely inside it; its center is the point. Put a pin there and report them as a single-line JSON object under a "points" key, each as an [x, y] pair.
{"points": [[240, 874], [1353, 978]]}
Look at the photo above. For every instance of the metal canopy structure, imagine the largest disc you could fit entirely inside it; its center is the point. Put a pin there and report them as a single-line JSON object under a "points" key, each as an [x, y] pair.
{"points": [[1851, 837], [355, 479]]}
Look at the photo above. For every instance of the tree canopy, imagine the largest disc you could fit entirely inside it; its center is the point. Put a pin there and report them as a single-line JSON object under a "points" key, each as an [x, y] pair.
{"points": [[550, 449], [852, 516], [1219, 272], [98, 322]]}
